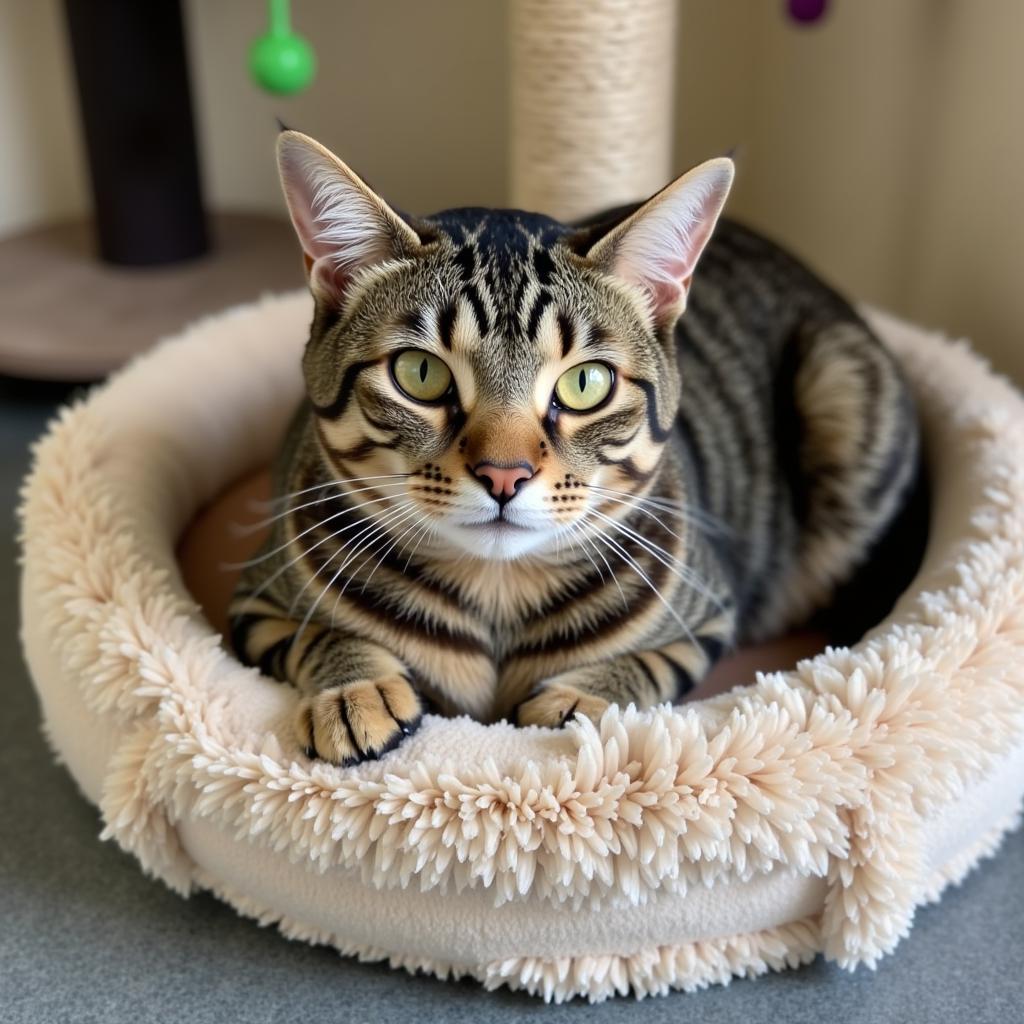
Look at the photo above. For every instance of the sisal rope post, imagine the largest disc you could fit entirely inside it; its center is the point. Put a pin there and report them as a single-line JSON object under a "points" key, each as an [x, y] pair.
{"points": [[592, 101]]}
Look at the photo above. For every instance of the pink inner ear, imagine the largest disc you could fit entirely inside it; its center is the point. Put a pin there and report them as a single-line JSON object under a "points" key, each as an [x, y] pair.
{"points": [[679, 269], [337, 225], [667, 284], [666, 296], [660, 247], [662, 259], [324, 280], [330, 280]]}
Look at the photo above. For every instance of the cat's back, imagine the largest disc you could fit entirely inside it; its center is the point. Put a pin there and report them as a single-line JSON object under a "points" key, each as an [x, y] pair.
{"points": [[794, 419], [752, 289]]}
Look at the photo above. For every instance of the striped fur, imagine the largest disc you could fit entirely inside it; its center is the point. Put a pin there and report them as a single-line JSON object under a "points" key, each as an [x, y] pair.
{"points": [[751, 453]]}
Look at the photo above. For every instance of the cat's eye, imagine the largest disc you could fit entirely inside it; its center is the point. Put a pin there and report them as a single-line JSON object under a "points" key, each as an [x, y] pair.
{"points": [[420, 375], [584, 387]]}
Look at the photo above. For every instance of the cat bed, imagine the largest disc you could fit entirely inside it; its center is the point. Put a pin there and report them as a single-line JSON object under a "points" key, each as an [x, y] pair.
{"points": [[809, 812]]}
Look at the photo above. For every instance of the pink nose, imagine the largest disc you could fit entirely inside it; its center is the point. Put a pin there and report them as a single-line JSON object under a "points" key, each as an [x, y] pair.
{"points": [[502, 481]]}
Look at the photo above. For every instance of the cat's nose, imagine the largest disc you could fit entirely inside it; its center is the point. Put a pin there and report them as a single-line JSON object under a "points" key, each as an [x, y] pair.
{"points": [[502, 482]]}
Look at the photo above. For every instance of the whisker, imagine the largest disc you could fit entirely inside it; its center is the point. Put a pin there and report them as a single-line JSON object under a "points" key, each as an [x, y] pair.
{"points": [[390, 547], [665, 501], [639, 508], [635, 566], [381, 528], [373, 524], [623, 524], [671, 506], [600, 554], [302, 554], [393, 519], [579, 539], [431, 527], [323, 522], [377, 537], [244, 529], [571, 531], [678, 568], [691, 577], [423, 525], [281, 499], [688, 514], [381, 536]]}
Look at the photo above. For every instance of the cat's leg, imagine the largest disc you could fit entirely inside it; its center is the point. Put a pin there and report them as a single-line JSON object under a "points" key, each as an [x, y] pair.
{"points": [[642, 678], [358, 699]]}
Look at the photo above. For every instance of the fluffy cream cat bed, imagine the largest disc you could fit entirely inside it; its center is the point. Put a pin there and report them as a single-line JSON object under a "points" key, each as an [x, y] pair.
{"points": [[811, 811]]}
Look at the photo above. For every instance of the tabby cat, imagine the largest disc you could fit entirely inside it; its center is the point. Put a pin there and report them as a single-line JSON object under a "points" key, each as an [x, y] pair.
{"points": [[524, 485]]}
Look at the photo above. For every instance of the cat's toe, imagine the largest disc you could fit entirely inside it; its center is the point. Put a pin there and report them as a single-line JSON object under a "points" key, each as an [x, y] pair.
{"points": [[381, 713], [358, 721], [322, 728], [557, 704]]}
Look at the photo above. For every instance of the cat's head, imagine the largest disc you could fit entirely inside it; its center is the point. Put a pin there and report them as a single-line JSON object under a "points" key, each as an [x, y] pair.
{"points": [[495, 377]]}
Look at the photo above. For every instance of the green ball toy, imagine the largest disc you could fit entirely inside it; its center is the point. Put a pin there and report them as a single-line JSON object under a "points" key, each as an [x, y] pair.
{"points": [[281, 62]]}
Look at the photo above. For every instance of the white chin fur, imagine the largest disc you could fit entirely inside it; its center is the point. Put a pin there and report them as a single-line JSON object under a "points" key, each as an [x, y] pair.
{"points": [[493, 543]]}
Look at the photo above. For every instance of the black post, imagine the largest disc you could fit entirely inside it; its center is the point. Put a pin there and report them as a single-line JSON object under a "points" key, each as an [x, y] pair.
{"points": [[136, 107]]}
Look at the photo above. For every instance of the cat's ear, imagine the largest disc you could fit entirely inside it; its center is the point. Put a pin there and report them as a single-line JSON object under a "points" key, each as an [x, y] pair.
{"points": [[657, 247], [343, 225]]}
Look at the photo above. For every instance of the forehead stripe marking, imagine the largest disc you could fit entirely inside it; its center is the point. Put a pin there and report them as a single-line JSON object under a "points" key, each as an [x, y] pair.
{"points": [[445, 325], [417, 322], [543, 265], [543, 300], [567, 332], [482, 322], [595, 337], [466, 262]]}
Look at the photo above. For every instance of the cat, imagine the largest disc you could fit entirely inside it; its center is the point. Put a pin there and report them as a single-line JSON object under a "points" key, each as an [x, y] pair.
{"points": [[543, 468]]}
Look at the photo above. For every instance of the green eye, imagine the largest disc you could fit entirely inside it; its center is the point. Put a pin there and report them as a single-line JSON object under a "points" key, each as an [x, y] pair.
{"points": [[584, 387], [421, 375]]}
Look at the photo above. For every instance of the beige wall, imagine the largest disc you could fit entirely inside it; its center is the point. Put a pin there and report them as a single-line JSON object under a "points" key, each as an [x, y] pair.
{"points": [[40, 167], [411, 93], [881, 145]]}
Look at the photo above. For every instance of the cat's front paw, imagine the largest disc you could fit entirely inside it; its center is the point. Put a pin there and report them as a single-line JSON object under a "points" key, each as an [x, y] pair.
{"points": [[556, 703], [358, 721]]}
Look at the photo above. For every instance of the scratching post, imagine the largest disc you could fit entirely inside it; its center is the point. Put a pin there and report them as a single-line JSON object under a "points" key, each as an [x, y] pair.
{"points": [[592, 84]]}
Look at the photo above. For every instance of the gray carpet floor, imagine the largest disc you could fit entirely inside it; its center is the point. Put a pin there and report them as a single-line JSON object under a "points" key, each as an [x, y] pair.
{"points": [[85, 937]]}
